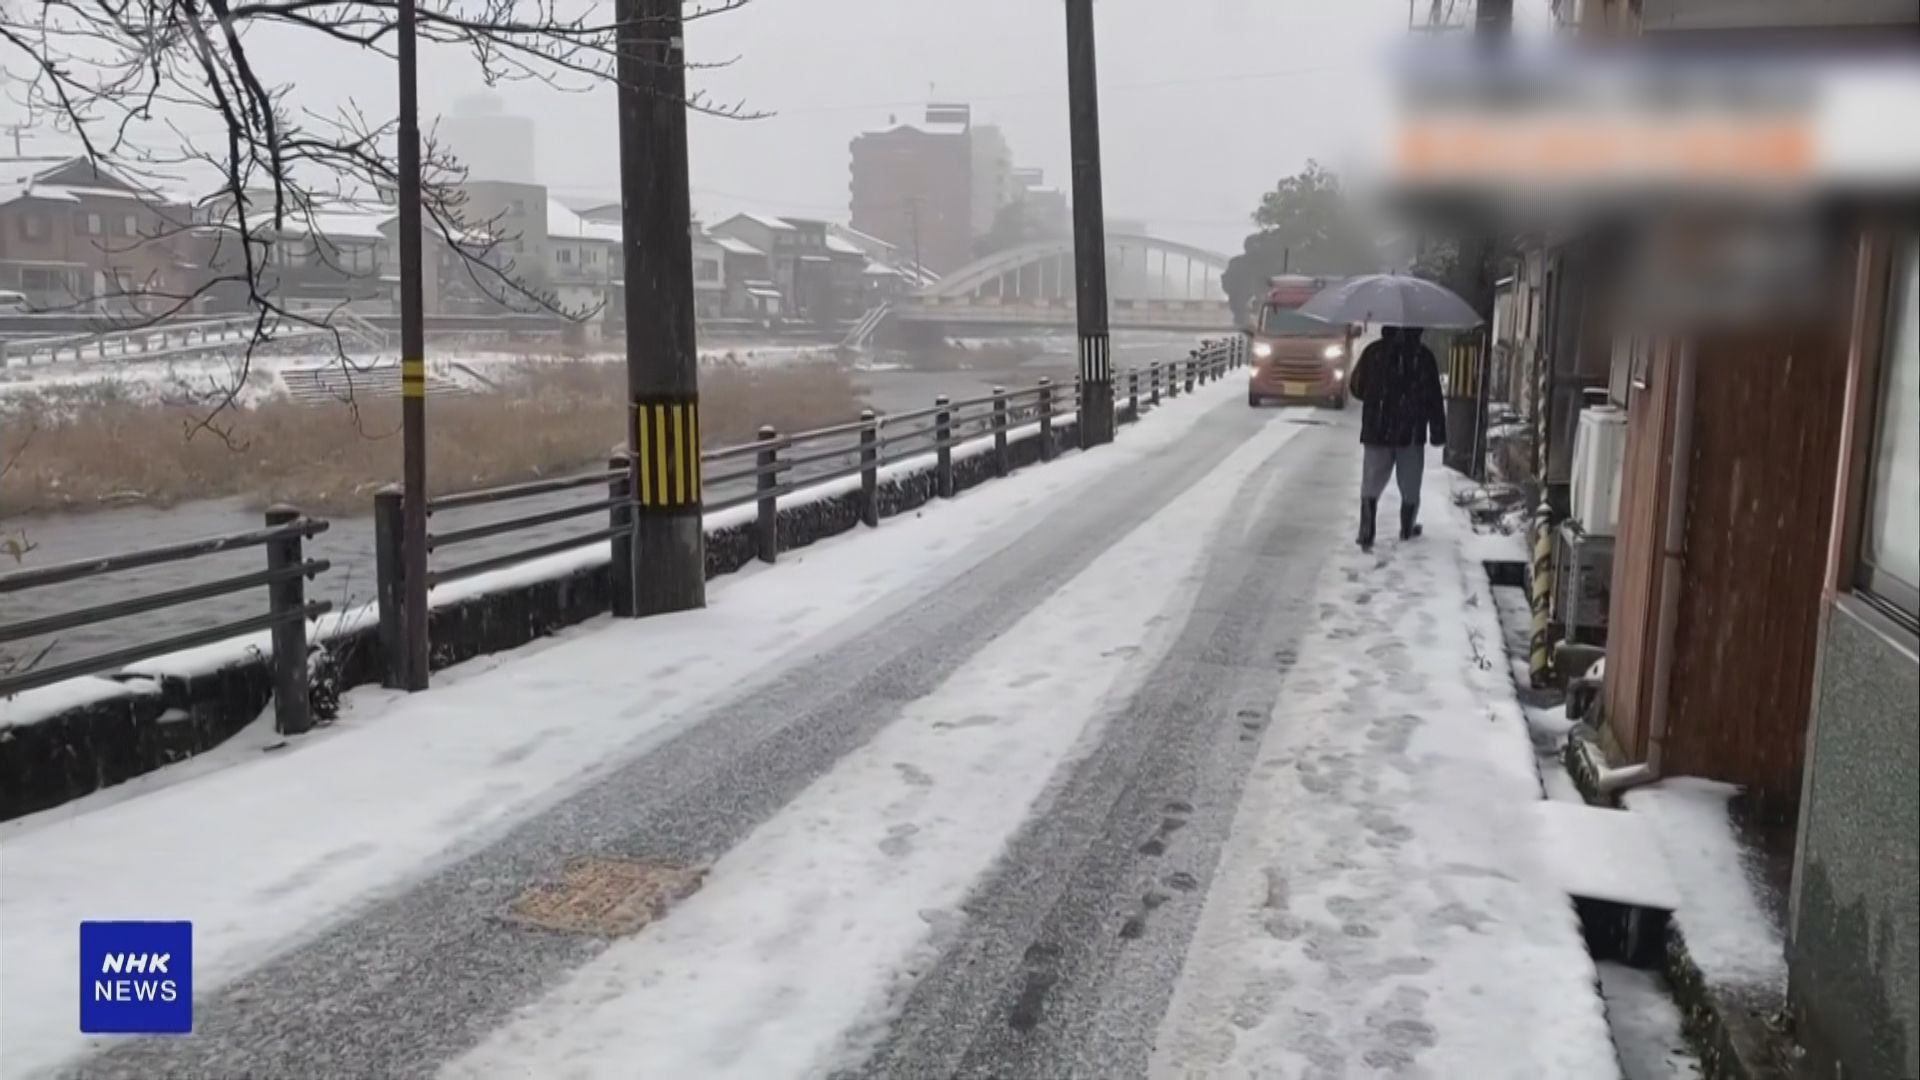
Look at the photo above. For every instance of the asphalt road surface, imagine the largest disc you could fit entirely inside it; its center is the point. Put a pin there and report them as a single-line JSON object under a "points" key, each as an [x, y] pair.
{"points": [[1069, 949]]}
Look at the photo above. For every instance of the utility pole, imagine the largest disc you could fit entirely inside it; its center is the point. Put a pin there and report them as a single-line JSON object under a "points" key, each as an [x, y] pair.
{"points": [[1089, 230], [663, 375], [413, 368]]}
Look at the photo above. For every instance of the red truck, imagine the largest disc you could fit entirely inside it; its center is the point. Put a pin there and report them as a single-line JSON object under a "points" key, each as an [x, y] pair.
{"points": [[1297, 357]]}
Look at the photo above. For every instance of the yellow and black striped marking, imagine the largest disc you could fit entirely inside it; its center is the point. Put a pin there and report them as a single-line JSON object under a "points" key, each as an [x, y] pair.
{"points": [[666, 436], [413, 377], [1465, 369], [1540, 658]]}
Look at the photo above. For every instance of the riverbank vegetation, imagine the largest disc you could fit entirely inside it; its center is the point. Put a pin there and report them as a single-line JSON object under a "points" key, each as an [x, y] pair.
{"points": [[86, 445]]}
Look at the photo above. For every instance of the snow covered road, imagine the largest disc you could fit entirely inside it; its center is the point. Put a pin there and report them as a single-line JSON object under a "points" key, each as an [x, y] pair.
{"points": [[997, 790]]}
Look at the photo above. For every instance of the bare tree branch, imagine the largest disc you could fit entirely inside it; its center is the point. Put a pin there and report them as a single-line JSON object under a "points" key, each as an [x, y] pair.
{"points": [[116, 72]]}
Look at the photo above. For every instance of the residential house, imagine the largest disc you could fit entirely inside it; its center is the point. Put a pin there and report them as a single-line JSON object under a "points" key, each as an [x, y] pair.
{"points": [[709, 276], [886, 274], [583, 269], [747, 274], [73, 234], [802, 265], [1764, 601], [777, 242], [322, 256], [1853, 953], [607, 213], [830, 283]]}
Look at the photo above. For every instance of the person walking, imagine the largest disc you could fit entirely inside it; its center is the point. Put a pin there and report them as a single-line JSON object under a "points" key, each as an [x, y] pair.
{"points": [[1398, 383]]}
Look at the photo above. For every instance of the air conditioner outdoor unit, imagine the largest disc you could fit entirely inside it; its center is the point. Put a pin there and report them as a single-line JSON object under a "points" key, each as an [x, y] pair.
{"points": [[1599, 450]]}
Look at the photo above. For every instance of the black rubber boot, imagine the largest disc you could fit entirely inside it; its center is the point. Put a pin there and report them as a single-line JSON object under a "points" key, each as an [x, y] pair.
{"points": [[1409, 528], [1368, 510]]}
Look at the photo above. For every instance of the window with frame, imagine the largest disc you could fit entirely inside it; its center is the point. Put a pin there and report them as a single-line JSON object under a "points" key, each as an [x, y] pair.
{"points": [[94, 225], [33, 226], [1889, 571], [130, 225]]}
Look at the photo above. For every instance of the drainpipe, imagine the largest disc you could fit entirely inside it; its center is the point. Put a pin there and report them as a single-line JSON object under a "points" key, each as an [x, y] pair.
{"points": [[1672, 563]]}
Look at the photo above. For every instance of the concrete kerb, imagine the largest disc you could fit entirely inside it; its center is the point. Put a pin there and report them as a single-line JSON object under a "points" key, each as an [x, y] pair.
{"points": [[1735, 1031]]}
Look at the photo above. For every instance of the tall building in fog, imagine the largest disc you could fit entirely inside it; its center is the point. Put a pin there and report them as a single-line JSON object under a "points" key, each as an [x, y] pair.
{"points": [[931, 189], [493, 144], [992, 176]]}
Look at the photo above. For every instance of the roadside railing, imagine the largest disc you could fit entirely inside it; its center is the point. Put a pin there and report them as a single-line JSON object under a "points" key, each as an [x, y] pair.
{"points": [[172, 338], [775, 466], [288, 610]]}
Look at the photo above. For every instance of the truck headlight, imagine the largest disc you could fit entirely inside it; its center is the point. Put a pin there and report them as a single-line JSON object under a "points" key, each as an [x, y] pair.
{"points": [[1334, 352], [1262, 350], [1338, 375]]}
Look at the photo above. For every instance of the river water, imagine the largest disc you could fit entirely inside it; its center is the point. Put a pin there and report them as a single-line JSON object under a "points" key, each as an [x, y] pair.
{"points": [[348, 544]]}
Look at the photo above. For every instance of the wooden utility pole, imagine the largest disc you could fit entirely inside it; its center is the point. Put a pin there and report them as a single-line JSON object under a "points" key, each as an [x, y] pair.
{"points": [[1089, 230], [413, 367], [663, 377]]}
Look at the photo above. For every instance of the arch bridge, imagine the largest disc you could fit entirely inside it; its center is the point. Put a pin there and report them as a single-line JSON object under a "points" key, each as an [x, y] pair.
{"points": [[1152, 284]]}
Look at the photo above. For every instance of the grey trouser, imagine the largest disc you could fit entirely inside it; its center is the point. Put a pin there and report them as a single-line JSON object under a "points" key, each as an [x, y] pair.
{"points": [[1408, 462]]}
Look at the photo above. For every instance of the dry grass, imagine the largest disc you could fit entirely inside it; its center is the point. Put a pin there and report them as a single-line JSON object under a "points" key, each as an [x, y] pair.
{"points": [[79, 449]]}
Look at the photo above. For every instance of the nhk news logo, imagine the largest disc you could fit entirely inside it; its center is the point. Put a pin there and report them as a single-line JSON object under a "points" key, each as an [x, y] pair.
{"points": [[136, 978]]}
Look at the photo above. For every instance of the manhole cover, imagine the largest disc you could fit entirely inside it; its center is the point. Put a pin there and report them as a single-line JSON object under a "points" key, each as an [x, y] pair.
{"points": [[609, 897]]}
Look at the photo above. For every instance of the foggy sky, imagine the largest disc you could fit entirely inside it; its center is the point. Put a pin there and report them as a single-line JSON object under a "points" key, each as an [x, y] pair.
{"points": [[1204, 103]]}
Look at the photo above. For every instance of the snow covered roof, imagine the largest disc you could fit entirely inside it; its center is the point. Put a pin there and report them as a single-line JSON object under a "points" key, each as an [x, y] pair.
{"points": [[737, 246], [348, 222], [842, 246], [564, 224], [774, 223], [38, 177]]}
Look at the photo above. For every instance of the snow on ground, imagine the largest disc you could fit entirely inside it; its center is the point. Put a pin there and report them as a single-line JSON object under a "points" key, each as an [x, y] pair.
{"points": [[1729, 934], [1646, 1026], [803, 931], [263, 854], [1378, 906], [161, 380], [33, 706]]}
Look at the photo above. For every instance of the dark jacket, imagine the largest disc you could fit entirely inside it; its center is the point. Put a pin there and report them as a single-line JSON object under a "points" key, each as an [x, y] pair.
{"points": [[1398, 380]]}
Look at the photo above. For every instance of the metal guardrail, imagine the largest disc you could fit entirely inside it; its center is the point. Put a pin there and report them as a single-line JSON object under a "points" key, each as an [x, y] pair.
{"points": [[287, 613], [172, 339], [773, 467]]}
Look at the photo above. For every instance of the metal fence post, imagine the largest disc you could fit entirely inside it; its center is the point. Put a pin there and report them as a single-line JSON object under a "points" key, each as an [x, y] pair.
{"points": [[943, 446], [1192, 362], [387, 569], [1002, 465], [869, 469], [1153, 371], [287, 599], [620, 516], [1046, 419], [1133, 392], [767, 527]]}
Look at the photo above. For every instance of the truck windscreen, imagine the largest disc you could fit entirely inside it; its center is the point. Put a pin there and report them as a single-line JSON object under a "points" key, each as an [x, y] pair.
{"points": [[1276, 321]]}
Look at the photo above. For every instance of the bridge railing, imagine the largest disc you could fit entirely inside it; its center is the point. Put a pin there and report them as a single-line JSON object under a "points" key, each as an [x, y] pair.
{"points": [[772, 470], [287, 614]]}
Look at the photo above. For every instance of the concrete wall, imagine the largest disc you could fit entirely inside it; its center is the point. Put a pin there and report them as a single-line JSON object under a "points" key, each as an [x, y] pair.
{"points": [[1852, 951]]}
